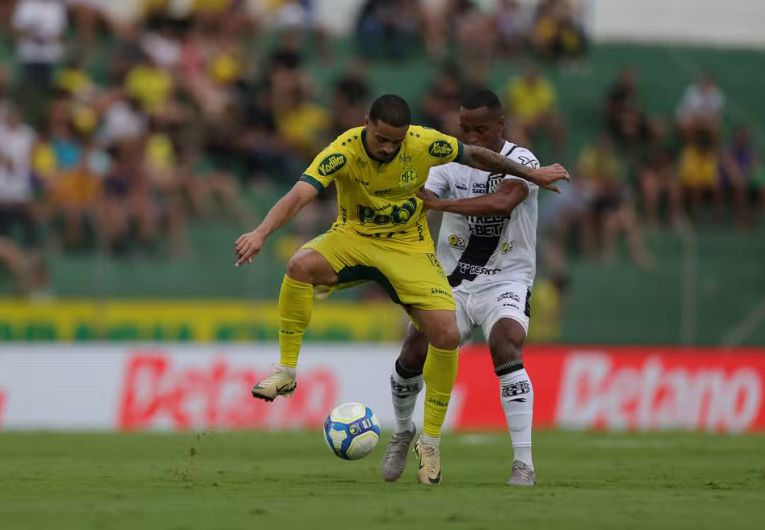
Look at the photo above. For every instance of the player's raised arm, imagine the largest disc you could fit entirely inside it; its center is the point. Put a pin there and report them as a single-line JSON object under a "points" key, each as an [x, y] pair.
{"points": [[248, 245], [510, 193], [487, 160]]}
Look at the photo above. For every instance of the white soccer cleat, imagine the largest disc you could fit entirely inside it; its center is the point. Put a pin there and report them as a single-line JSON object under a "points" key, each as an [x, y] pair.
{"points": [[522, 475], [396, 454], [430, 463], [281, 382]]}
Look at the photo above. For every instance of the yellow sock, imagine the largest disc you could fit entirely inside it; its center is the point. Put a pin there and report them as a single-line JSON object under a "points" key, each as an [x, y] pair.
{"points": [[295, 308], [440, 372]]}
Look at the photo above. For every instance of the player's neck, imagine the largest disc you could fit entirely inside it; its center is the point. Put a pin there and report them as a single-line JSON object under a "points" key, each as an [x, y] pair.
{"points": [[498, 145], [369, 153]]}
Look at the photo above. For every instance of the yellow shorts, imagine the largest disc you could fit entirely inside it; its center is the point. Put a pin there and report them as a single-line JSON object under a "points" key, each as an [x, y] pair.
{"points": [[413, 277]]}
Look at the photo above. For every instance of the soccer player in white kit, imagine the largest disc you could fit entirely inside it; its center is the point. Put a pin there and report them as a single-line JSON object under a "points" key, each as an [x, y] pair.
{"points": [[487, 248]]}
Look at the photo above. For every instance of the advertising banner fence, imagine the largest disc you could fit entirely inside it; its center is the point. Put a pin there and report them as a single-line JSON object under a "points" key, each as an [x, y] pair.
{"points": [[183, 387]]}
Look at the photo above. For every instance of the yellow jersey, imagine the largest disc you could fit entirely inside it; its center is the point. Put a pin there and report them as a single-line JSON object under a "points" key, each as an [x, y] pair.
{"points": [[699, 168], [151, 86], [528, 101], [378, 198]]}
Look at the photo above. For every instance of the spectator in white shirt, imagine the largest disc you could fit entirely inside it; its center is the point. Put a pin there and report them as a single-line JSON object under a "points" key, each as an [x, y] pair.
{"points": [[701, 106], [40, 26], [16, 142], [19, 228]]}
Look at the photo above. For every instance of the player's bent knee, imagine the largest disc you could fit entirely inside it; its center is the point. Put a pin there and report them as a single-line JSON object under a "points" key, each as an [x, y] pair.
{"points": [[309, 266], [453, 338], [446, 338], [299, 268]]}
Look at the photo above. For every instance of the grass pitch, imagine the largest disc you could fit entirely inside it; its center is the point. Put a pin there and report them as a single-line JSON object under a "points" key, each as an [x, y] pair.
{"points": [[290, 480]]}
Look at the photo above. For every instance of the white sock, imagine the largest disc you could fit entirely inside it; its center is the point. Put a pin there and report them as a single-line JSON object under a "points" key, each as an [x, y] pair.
{"points": [[404, 392], [433, 441], [517, 396]]}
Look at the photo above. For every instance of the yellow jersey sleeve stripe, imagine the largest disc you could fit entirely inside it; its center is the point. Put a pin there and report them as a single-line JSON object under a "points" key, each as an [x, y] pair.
{"points": [[313, 182]]}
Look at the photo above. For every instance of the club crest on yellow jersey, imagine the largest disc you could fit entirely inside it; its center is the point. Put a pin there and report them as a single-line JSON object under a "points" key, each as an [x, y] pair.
{"points": [[407, 177]]}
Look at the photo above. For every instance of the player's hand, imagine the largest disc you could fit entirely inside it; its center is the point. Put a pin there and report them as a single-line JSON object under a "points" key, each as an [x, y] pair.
{"points": [[546, 175], [247, 247], [430, 200]]}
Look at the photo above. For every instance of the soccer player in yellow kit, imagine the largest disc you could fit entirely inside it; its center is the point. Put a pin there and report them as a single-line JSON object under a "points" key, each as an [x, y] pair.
{"points": [[381, 233]]}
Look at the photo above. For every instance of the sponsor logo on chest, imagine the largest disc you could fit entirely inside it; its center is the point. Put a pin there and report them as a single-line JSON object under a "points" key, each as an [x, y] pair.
{"points": [[396, 214]]}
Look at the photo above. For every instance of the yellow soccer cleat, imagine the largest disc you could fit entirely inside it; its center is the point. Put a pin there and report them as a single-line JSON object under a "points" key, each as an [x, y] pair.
{"points": [[430, 463], [281, 382]]}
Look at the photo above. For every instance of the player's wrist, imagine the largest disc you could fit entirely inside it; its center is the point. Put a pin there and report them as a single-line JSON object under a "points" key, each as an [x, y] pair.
{"points": [[439, 204], [260, 232], [533, 176]]}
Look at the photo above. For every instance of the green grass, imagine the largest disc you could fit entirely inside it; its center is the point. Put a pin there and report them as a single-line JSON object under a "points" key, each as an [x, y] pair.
{"points": [[289, 480]]}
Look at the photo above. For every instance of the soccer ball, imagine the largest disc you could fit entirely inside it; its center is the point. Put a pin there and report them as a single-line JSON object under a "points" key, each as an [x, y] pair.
{"points": [[351, 431]]}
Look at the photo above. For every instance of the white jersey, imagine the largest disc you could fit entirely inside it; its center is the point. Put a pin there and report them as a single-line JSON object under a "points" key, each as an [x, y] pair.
{"points": [[478, 251]]}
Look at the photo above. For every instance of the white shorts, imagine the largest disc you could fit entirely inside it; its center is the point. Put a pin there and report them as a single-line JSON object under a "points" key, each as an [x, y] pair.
{"points": [[486, 305]]}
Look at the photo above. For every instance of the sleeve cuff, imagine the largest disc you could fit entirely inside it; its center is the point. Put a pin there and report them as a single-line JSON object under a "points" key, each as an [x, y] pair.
{"points": [[313, 182], [460, 151]]}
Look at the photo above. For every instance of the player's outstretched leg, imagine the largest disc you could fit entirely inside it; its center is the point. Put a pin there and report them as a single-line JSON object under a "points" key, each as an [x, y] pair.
{"points": [[305, 269], [405, 384], [295, 308]]}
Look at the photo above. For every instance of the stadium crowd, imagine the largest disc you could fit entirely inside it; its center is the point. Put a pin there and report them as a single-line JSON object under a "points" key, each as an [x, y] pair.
{"points": [[122, 121]]}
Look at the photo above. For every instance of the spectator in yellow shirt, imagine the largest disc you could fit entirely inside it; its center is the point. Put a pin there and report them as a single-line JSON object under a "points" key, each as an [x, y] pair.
{"points": [[532, 103], [75, 200], [150, 85], [73, 79], [699, 171], [302, 123]]}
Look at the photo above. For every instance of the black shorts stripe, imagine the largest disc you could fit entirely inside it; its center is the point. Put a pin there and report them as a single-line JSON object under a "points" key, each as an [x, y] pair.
{"points": [[365, 272]]}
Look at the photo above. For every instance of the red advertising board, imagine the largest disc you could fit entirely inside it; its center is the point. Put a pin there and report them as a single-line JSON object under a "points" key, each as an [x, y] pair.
{"points": [[624, 388]]}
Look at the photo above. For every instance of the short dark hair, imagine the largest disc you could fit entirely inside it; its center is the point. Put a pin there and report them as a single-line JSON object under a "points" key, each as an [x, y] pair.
{"points": [[390, 109], [475, 99]]}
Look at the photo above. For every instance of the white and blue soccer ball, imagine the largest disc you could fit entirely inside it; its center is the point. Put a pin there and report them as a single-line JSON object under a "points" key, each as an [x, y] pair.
{"points": [[351, 431]]}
